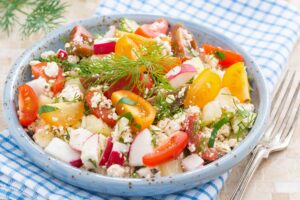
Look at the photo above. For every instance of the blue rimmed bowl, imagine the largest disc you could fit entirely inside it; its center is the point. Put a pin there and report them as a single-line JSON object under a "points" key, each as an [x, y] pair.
{"points": [[21, 73]]}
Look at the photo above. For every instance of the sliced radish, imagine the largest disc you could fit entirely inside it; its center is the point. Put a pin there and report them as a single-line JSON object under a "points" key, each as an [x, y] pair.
{"points": [[120, 147], [78, 137], [76, 163], [115, 157], [90, 152], [62, 54], [104, 46], [196, 62], [192, 162], [62, 150], [180, 75], [140, 146], [38, 85], [106, 152]]}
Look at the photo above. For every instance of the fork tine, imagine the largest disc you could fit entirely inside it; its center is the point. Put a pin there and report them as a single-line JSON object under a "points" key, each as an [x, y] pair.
{"points": [[280, 102], [290, 114]]}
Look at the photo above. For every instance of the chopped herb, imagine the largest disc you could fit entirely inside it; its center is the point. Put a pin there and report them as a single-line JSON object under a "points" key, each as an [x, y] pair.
{"points": [[65, 64], [93, 162], [138, 126], [127, 115], [216, 127], [47, 108], [220, 55], [127, 101], [127, 25]]}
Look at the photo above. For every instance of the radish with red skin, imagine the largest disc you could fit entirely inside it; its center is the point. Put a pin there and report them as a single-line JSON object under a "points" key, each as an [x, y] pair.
{"points": [[62, 54], [76, 163], [115, 157], [140, 146], [90, 152], [62, 150], [106, 152], [180, 75], [78, 137], [104, 46]]}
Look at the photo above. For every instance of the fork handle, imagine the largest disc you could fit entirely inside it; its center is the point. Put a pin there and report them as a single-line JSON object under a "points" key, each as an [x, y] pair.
{"points": [[256, 158]]}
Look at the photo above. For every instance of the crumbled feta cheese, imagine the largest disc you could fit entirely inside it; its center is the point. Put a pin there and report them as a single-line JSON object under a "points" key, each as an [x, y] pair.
{"points": [[51, 69], [96, 99], [169, 126], [224, 130], [181, 93], [116, 171], [105, 103], [144, 172], [71, 92], [78, 39], [192, 147], [193, 110], [206, 133], [165, 44], [211, 60], [73, 59], [34, 62], [170, 98], [232, 142], [111, 32], [222, 146], [120, 129], [67, 45], [46, 54]]}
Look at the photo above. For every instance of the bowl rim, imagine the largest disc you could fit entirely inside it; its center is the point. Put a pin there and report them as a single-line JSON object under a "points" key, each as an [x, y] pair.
{"points": [[207, 172]]}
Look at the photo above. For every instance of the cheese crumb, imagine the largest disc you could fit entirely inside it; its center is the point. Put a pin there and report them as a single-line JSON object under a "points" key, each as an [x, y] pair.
{"points": [[46, 54], [116, 171], [51, 69]]}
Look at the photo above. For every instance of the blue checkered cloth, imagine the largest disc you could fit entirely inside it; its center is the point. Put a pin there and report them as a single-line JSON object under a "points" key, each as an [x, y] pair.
{"points": [[267, 29]]}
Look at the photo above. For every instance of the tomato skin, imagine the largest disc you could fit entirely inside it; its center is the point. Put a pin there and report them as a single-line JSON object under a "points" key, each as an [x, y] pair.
{"points": [[189, 128], [231, 57], [171, 149], [210, 154], [203, 89], [143, 113], [28, 105], [83, 49], [160, 26], [80, 31], [123, 83], [99, 112], [38, 70], [169, 63], [59, 83]]}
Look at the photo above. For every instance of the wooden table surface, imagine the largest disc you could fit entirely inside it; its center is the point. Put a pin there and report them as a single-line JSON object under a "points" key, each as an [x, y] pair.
{"points": [[278, 178]]}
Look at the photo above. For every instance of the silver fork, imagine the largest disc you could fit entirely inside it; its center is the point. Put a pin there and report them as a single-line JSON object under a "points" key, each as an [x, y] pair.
{"points": [[280, 127]]}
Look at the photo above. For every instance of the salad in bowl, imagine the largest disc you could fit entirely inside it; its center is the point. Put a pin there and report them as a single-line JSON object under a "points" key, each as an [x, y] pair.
{"points": [[138, 101]]}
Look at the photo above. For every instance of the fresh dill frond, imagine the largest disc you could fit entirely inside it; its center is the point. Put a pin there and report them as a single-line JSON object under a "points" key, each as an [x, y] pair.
{"points": [[113, 67], [40, 15], [65, 64]]}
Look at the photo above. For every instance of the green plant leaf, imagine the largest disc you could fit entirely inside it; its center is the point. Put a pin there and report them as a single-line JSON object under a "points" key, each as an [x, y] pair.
{"points": [[47, 108]]}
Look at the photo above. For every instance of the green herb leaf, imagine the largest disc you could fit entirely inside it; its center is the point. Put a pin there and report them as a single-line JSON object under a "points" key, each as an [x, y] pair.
{"points": [[216, 128], [125, 100], [220, 55], [93, 162], [127, 115], [138, 126], [47, 108]]}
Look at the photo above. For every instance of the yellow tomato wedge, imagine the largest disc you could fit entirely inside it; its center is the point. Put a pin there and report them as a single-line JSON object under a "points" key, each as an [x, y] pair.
{"points": [[143, 113], [236, 80], [203, 89], [128, 42], [67, 114]]}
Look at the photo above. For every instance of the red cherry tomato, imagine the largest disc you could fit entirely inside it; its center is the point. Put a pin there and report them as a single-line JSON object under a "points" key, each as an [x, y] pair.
{"points": [[123, 84], [103, 113], [191, 127], [167, 151], [82, 48], [226, 57], [210, 154], [38, 70], [28, 105], [59, 83], [80, 31], [153, 30]]}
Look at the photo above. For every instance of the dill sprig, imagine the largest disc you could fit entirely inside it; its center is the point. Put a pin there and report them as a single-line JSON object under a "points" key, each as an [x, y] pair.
{"points": [[113, 67], [40, 15]]}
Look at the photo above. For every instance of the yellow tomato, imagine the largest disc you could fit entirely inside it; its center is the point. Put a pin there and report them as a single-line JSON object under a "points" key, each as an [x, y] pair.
{"points": [[128, 42], [143, 113], [203, 89], [236, 80], [67, 114]]}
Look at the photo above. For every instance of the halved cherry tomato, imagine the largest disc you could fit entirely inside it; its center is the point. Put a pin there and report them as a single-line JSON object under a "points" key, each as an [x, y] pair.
{"points": [[210, 154], [67, 114], [38, 71], [182, 45], [82, 48], [80, 31], [28, 105], [123, 84], [99, 112], [59, 83], [236, 80], [203, 89], [226, 57], [170, 62], [191, 127], [143, 113], [160, 26], [169, 150], [126, 44]]}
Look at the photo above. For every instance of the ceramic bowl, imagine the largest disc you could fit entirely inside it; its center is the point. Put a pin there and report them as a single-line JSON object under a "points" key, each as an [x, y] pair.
{"points": [[21, 73]]}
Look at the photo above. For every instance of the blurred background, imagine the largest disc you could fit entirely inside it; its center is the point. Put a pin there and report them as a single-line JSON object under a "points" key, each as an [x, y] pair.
{"points": [[278, 177]]}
